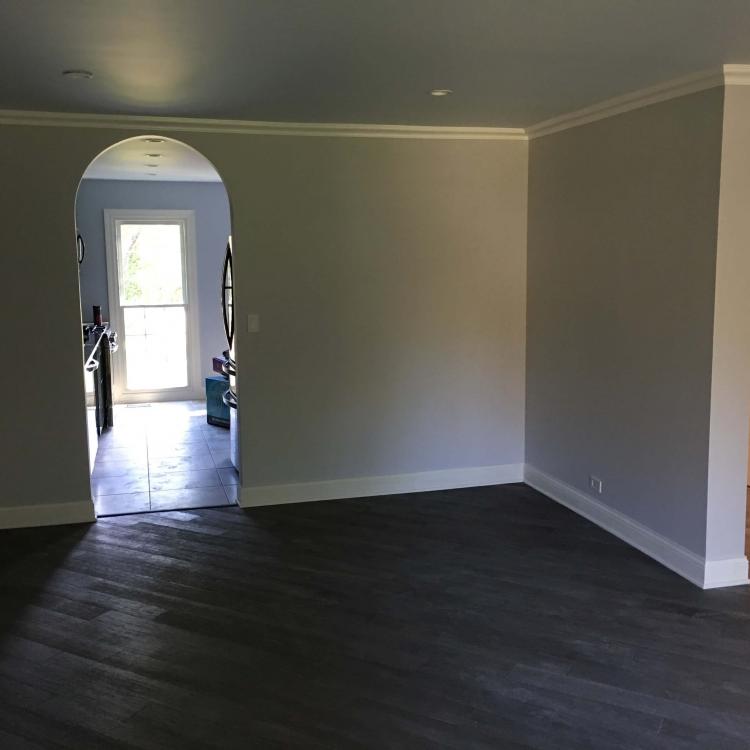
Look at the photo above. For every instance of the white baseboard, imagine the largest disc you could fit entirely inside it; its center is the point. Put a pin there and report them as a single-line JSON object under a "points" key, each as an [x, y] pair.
{"points": [[722, 573], [337, 489], [48, 514], [704, 573]]}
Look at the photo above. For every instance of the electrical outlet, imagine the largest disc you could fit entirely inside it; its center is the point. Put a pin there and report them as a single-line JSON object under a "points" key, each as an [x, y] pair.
{"points": [[596, 484]]}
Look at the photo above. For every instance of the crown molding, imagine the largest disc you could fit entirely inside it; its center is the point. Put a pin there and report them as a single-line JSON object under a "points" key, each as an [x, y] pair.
{"points": [[251, 127], [628, 102], [727, 75]]}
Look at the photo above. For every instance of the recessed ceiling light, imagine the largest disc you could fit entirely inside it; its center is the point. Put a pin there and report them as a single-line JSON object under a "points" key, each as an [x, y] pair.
{"points": [[153, 140], [441, 92], [153, 166], [80, 74], [154, 156]]}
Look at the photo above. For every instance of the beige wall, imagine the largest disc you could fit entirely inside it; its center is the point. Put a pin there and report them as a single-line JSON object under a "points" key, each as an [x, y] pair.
{"points": [[388, 274], [621, 266]]}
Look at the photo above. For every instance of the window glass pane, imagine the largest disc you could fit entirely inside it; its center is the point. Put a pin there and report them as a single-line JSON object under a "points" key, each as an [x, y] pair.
{"points": [[150, 264], [155, 348], [135, 321]]}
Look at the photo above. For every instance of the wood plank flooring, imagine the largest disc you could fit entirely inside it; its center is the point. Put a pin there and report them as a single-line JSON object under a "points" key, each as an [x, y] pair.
{"points": [[481, 618]]}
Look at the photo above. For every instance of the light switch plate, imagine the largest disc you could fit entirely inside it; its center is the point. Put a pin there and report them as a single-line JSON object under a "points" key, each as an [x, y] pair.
{"points": [[253, 323]]}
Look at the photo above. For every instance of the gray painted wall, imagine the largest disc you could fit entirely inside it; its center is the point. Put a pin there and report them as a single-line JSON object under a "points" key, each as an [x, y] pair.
{"points": [[211, 206], [390, 280], [621, 269]]}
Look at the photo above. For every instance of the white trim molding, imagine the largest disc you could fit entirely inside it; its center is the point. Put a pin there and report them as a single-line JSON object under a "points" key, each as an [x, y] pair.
{"points": [[707, 574], [726, 75], [395, 484], [147, 124], [729, 75], [47, 514], [185, 218]]}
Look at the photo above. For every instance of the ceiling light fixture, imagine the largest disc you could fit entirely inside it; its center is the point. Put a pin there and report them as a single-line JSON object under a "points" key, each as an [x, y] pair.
{"points": [[154, 156], [78, 74], [152, 166], [441, 92]]}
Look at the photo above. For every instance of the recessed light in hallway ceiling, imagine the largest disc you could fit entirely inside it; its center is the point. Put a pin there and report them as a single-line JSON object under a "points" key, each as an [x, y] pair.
{"points": [[174, 161]]}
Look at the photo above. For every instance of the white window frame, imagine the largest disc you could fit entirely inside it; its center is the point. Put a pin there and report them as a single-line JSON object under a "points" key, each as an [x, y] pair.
{"points": [[186, 220]]}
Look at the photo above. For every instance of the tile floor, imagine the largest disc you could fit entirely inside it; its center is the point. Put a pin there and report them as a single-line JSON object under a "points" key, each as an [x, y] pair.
{"points": [[162, 457]]}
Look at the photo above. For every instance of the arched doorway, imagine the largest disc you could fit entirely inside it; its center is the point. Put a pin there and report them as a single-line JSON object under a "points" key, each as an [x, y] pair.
{"points": [[153, 227]]}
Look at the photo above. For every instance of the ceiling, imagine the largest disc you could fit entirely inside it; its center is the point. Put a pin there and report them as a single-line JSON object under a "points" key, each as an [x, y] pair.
{"points": [[510, 63], [142, 159]]}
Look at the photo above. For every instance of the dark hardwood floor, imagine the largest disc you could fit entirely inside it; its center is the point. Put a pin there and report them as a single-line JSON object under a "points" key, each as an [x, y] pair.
{"points": [[482, 618]]}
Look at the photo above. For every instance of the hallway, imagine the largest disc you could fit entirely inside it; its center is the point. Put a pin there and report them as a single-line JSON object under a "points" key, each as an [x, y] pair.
{"points": [[162, 456]]}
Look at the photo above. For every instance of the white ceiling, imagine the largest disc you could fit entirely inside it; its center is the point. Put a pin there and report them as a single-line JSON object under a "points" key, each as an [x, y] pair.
{"points": [[136, 159], [511, 63]]}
